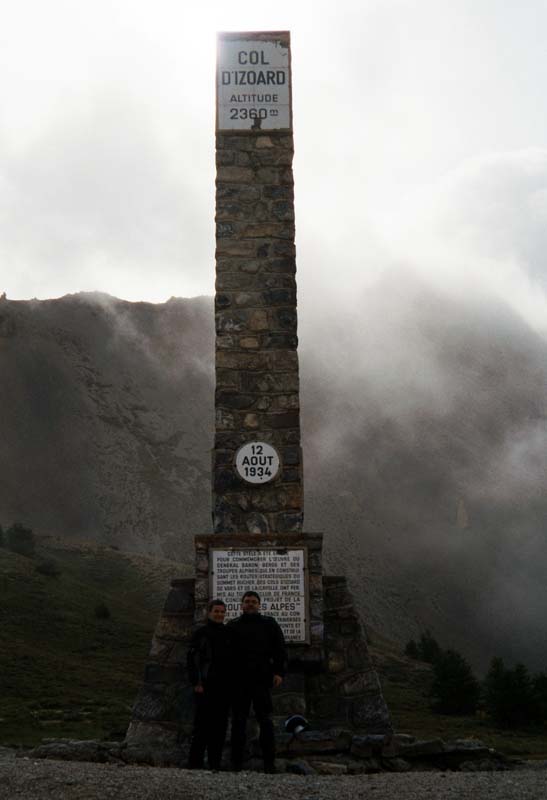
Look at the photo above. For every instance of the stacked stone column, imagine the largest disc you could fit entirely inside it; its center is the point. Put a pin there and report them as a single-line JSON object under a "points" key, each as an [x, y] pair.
{"points": [[257, 385]]}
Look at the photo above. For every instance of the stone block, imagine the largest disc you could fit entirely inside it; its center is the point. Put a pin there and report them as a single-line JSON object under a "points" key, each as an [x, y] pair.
{"points": [[367, 746], [315, 584], [243, 159], [329, 768], [249, 343], [358, 655], [300, 767], [279, 297], [225, 342], [370, 713], [283, 419], [289, 497], [235, 141], [286, 319], [285, 361], [360, 683], [230, 398], [287, 704], [285, 159], [396, 765], [269, 175], [202, 562], [283, 248], [429, 747], [278, 341], [283, 210], [251, 421], [278, 281], [234, 174], [336, 661], [228, 379], [291, 475], [228, 322], [286, 265], [349, 628], [180, 596], [258, 320], [235, 247], [242, 500], [240, 193], [290, 521], [317, 632], [309, 743], [265, 383], [249, 267], [225, 230], [294, 682], [229, 210], [263, 403], [246, 299], [225, 420], [225, 158], [264, 230], [224, 480], [173, 626], [284, 192], [222, 301], [201, 590]]}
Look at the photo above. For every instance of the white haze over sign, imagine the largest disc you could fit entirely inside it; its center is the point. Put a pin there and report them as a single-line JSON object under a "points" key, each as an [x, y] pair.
{"points": [[420, 131]]}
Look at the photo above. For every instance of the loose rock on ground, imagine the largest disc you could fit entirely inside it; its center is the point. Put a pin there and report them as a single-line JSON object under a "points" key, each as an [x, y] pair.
{"points": [[42, 780]]}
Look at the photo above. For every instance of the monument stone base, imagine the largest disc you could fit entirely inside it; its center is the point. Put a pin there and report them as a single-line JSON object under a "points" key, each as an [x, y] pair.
{"points": [[331, 680]]}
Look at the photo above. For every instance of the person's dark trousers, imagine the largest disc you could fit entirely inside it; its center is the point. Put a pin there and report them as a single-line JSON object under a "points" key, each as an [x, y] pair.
{"points": [[210, 723], [259, 697]]}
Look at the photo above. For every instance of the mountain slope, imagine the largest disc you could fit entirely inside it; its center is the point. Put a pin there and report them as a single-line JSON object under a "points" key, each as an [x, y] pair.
{"points": [[424, 436]]}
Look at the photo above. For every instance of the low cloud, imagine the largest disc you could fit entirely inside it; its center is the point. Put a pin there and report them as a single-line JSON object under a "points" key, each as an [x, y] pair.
{"points": [[96, 202]]}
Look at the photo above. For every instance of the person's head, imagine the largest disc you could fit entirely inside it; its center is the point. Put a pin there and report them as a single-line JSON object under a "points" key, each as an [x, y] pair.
{"points": [[216, 610], [250, 603]]}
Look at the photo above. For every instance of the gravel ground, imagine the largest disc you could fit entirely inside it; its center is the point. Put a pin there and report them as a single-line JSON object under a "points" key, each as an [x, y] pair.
{"points": [[62, 780]]}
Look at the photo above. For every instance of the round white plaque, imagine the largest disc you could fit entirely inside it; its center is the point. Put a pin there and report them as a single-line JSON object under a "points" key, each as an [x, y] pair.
{"points": [[257, 462]]}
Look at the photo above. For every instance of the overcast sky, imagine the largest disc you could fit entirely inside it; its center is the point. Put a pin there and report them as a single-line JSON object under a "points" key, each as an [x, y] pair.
{"points": [[420, 131]]}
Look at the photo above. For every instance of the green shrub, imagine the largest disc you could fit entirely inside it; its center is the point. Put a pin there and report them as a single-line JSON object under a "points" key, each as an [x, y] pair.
{"points": [[20, 540], [411, 650], [48, 567], [512, 697], [455, 689], [102, 611], [427, 649]]}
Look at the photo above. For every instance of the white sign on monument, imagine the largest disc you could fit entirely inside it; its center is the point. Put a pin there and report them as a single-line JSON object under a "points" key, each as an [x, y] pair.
{"points": [[277, 575], [253, 84], [257, 462]]}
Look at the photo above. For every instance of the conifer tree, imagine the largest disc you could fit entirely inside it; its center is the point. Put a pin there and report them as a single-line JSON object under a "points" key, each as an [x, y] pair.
{"points": [[455, 689]]}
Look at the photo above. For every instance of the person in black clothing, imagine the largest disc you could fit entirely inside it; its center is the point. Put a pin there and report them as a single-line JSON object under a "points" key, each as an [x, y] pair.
{"points": [[259, 664], [209, 670]]}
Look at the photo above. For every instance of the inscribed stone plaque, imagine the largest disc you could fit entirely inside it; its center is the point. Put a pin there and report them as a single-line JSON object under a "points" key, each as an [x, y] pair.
{"points": [[277, 575], [253, 82]]}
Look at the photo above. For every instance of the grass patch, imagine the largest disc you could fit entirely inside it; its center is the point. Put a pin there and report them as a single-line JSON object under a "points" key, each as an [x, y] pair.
{"points": [[64, 671]]}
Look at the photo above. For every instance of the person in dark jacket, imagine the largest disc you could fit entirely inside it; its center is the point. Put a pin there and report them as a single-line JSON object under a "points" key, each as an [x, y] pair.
{"points": [[209, 670], [259, 664]]}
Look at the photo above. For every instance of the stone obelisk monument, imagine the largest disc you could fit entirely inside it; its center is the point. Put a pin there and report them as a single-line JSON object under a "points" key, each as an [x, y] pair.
{"points": [[259, 541]]}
